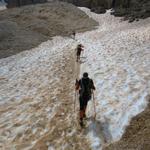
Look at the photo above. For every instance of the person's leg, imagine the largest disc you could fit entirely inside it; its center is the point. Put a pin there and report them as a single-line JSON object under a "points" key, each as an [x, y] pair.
{"points": [[74, 36], [84, 112], [78, 57], [86, 99], [84, 109], [81, 108]]}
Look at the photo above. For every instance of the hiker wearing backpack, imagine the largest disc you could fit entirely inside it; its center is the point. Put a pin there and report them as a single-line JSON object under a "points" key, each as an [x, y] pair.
{"points": [[78, 51], [85, 86]]}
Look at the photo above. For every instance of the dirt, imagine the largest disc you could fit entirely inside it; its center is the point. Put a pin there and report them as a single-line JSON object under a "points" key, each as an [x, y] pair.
{"points": [[26, 27], [137, 135]]}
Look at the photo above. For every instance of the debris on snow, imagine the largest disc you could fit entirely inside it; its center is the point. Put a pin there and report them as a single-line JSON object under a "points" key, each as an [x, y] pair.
{"points": [[117, 58]]}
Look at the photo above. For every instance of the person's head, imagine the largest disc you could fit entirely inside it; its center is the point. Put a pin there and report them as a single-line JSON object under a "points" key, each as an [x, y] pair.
{"points": [[80, 45], [85, 74]]}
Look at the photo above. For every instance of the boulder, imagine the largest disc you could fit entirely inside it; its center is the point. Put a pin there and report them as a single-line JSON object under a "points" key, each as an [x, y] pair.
{"points": [[98, 10]]}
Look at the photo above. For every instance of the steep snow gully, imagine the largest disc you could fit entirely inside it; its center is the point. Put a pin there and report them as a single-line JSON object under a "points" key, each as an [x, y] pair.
{"points": [[37, 87]]}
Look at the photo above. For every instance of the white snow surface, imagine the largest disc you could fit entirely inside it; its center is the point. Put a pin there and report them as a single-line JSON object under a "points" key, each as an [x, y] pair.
{"points": [[118, 60], [2, 5]]}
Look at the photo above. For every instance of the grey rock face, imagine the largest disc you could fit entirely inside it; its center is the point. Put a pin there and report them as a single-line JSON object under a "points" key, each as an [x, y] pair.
{"points": [[91, 3], [14, 3], [131, 9], [97, 6]]}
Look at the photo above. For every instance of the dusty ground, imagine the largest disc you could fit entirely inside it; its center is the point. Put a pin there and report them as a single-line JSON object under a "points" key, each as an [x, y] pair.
{"points": [[26, 27]]}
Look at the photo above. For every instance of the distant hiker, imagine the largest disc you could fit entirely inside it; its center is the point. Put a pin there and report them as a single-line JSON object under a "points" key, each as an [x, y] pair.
{"points": [[78, 51], [74, 35], [85, 86]]}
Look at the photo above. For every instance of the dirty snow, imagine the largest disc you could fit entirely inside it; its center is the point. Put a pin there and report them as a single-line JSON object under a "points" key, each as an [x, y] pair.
{"points": [[118, 59], [30, 83]]}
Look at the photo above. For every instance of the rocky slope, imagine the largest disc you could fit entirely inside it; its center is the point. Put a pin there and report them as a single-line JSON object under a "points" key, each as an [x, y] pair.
{"points": [[14, 3], [131, 9], [20, 26]]}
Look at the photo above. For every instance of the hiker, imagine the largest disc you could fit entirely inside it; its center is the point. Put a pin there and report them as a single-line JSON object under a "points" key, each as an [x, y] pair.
{"points": [[85, 86], [74, 34], [78, 51]]}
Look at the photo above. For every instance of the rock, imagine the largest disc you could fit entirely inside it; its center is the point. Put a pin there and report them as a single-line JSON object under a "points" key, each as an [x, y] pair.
{"points": [[98, 10], [120, 12], [132, 8], [91, 3], [14, 3], [131, 20], [122, 8], [7, 29]]}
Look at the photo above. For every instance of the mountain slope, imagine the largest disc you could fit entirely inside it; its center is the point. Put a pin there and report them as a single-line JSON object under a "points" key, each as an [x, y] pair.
{"points": [[26, 27]]}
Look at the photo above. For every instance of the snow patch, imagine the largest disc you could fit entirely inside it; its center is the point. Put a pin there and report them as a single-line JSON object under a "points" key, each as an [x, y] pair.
{"points": [[95, 141], [29, 88], [117, 58]]}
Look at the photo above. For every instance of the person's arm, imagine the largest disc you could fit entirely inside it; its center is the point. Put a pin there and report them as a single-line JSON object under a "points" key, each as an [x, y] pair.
{"points": [[93, 86], [77, 85]]}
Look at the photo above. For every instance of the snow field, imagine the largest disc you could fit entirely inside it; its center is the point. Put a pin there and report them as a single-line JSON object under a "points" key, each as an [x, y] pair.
{"points": [[28, 93], [118, 59]]}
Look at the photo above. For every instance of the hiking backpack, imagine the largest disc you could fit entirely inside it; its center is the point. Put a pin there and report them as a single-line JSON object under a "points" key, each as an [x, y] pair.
{"points": [[85, 87]]}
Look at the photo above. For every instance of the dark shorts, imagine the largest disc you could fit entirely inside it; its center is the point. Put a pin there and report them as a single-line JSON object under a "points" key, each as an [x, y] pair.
{"points": [[78, 53], [84, 101]]}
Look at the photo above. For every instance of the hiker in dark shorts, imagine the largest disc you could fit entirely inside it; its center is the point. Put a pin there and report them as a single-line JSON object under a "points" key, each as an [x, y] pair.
{"points": [[85, 86], [78, 51], [74, 35]]}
